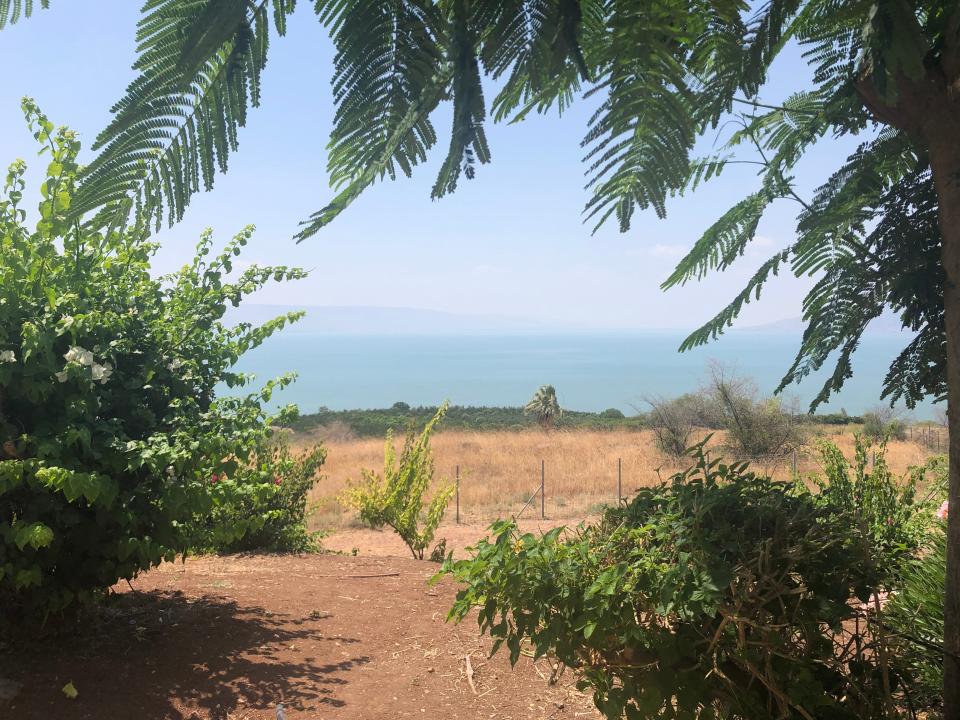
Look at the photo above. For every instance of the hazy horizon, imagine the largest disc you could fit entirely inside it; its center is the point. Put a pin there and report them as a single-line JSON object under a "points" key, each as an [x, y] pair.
{"points": [[399, 319]]}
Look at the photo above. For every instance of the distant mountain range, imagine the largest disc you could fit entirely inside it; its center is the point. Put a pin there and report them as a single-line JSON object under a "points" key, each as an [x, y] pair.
{"points": [[379, 321], [358, 320]]}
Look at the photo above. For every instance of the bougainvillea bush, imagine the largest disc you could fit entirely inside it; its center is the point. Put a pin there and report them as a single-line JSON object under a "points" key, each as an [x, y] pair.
{"points": [[272, 488], [718, 594], [110, 430]]}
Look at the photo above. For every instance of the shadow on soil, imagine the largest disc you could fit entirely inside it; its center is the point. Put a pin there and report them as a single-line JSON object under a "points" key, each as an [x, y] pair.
{"points": [[164, 655]]}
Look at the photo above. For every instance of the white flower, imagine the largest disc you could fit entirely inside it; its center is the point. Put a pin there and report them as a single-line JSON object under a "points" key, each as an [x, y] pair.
{"points": [[80, 355], [62, 376], [101, 373], [7, 356], [175, 363]]}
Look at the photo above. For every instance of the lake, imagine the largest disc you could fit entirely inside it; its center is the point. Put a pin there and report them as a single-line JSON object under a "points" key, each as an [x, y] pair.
{"points": [[589, 371]]}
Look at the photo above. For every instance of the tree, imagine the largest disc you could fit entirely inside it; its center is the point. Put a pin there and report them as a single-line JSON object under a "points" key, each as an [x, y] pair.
{"points": [[884, 423], [544, 406], [882, 231], [396, 498], [116, 444], [673, 422], [764, 429]]}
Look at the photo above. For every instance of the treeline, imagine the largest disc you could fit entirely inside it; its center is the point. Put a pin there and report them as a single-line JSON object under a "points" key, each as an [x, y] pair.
{"points": [[375, 422]]}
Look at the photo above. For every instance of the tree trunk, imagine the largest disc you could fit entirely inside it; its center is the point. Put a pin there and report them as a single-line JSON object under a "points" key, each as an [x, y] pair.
{"points": [[945, 163]]}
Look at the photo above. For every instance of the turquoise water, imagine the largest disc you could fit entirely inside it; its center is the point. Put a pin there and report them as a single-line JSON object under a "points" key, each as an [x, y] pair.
{"points": [[590, 372]]}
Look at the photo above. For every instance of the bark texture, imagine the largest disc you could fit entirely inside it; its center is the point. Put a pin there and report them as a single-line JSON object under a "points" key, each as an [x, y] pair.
{"points": [[945, 162], [928, 108]]}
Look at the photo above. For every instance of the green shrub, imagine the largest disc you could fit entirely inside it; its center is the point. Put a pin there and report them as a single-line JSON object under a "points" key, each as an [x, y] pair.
{"points": [[109, 426], [673, 423], [612, 413], [886, 509], [396, 498], [757, 428], [720, 594], [267, 507], [882, 424], [840, 418], [915, 614], [915, 610]]}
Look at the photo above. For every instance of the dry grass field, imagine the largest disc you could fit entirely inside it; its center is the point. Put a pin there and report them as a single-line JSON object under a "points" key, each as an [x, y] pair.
{"points": [[499, 471]]}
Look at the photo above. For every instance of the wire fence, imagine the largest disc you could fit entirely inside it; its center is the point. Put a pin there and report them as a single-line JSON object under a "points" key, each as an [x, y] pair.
{"points": [[539, 492], [793, 462]]}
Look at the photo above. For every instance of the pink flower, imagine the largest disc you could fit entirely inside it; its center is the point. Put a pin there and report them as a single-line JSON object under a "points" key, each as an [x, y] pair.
{"points": [[942, 511], [214, 479], [276, 480]]}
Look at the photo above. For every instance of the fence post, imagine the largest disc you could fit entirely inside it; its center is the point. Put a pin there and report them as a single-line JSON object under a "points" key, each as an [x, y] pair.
{"points": [[543, 501], [458, 494], [794, 461], [619, 480]]}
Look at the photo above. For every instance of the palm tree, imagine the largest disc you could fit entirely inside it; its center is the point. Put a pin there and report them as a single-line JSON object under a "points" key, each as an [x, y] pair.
{"points": [[544, 406]]}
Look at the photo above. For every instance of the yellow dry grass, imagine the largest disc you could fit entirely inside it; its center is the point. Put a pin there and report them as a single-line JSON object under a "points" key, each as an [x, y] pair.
{"points": [[499, 471]]}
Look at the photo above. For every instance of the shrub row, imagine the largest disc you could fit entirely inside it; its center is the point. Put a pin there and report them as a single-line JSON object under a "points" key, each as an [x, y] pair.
{"points": [[376, 422], [721, 594]]}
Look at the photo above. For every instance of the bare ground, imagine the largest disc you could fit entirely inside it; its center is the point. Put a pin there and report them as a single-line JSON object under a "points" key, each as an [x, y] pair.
{"points": [[364, 541], [331, 637]]}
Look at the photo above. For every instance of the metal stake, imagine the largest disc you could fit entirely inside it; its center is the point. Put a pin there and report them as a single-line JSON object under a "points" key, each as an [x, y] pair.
{"points": [[458, 494], [543, 502], [619, 480]]}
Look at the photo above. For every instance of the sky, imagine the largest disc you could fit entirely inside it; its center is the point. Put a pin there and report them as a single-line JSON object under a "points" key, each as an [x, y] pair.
{"points": [[511, 242]]}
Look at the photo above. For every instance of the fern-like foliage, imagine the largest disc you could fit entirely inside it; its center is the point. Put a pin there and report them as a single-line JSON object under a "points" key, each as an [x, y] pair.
{"points": [[200, 65], [856, 287], [639, 140], [13, 10], [540, 48], [875, 213], [468, 142], [397, 62], [664, 73], [387, 81]]}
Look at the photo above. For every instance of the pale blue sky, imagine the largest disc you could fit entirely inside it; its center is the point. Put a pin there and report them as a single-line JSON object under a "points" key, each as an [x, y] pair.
{"points": [[511, 242]]}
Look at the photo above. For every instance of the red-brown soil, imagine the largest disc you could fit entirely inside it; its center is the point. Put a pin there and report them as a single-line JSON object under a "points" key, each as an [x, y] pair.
{"points": [[331, 637], [385, 542]]}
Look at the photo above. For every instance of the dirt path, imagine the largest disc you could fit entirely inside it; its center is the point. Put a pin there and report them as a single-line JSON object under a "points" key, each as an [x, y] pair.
{"points": [[228, 638], [386, 542]]}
